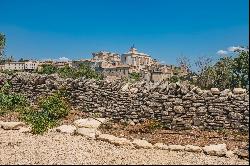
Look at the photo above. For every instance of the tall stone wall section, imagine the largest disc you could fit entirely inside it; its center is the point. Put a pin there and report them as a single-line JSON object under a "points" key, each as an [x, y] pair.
{"points": [[179, 107]]}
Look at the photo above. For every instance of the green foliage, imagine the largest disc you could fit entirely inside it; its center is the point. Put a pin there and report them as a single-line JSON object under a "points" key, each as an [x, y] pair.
{"points": [[135, 76], [51, 109], [9, 72], [227, 72], [10, 102], [2, 44], [48, 69], [40, 121], [54, 106], [68, 72], [174, 79], [240, 69]]}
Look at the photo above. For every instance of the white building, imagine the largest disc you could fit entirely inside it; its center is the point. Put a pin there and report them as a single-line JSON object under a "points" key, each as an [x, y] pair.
{"points": [[14, 66], [136, 60], [31, 65]]}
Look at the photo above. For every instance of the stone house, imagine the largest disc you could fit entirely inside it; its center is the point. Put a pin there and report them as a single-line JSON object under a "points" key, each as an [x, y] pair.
{"points": [[117, 71], [136, 60]]}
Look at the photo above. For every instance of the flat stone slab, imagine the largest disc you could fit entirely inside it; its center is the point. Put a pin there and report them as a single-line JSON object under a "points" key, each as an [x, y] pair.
{"points": [[87, 132], [67, 129], [142, 144], [192, 148], [176, 147], [216, 150], [89, 122], [161, 146], [114, 140], [11, 125]]}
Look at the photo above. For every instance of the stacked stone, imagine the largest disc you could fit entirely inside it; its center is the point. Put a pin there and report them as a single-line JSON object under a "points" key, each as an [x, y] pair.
{"points": [[177, 106]]}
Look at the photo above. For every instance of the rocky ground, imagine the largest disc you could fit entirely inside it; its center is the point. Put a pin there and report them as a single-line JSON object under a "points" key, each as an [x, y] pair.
{"points": [[57, 148], [233, 139]]}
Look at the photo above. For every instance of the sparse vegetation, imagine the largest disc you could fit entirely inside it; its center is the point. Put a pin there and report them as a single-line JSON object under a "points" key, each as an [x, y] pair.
{"points": [[134, 76], [68, 72]]}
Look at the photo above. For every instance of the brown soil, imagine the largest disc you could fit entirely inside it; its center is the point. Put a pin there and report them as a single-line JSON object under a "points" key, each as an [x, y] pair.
{"points": [[197, 137]]}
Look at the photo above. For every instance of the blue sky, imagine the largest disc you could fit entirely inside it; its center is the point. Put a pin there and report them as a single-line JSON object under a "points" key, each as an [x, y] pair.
{"points": [[165, 29]]}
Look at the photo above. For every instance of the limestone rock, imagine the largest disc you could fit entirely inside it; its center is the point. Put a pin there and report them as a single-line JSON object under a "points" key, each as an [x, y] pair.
{"points": [[87, 132], [239, 91], [230, 154], [106, 137], [114, 140], [216, 150], [215, 91], [179, 109], [87, 123], [161, 146], [176, 147], [192, 148], [68, 129], [125, 87], [12, 125], [142, 144]]}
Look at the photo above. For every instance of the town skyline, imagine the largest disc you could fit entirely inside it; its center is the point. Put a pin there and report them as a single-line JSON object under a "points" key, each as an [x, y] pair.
{"points": [[108, 26]]}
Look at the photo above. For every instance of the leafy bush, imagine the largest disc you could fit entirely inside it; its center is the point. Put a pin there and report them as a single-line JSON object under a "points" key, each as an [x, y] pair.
{"points": [[48, 69], [51, 109], [68, 72], [40, 121], [54, 106], [135, 76], [10, 102]]}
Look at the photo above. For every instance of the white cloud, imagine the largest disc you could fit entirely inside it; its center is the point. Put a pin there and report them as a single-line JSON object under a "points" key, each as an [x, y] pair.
{"points": [[162, 62], [222, 52], [233, 48], [63, 59]]}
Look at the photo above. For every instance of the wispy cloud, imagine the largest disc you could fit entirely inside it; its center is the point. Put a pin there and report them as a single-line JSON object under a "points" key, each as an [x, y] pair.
{"points": [[222, 52], [63, 59]]}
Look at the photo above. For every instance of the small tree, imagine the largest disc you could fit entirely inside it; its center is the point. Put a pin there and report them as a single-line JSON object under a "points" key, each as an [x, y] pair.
{"points": [[2, 45]]}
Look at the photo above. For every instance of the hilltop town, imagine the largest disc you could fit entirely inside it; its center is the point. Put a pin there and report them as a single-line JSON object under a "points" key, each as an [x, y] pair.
{"points": [[111, 65]]}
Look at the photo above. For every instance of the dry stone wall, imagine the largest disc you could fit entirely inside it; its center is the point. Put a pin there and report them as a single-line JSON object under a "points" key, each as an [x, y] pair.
{"points": [[177, 106]]}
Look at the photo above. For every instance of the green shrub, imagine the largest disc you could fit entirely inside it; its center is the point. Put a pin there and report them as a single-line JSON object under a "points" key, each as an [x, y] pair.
{"points": [[135, 76], [52, 108], [40, 121], [55, 106], [10, 101], [48, 69]]}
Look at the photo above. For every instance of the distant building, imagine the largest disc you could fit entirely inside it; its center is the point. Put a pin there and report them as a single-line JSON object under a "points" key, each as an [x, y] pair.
{"points": [[61, 64], [117, 71], [136, 60], [14, 66], [31, 65], [106, 59], [1, 67]]}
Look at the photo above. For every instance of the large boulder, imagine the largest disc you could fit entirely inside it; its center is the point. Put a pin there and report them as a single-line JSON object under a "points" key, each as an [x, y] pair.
{"points": [[216, 150], [11, 125], [142, 144], [67, 129], [89, 122]]}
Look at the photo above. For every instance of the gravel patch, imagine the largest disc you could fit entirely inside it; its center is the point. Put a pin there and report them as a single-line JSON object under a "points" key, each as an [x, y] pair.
{"points": [[57, 148]]}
